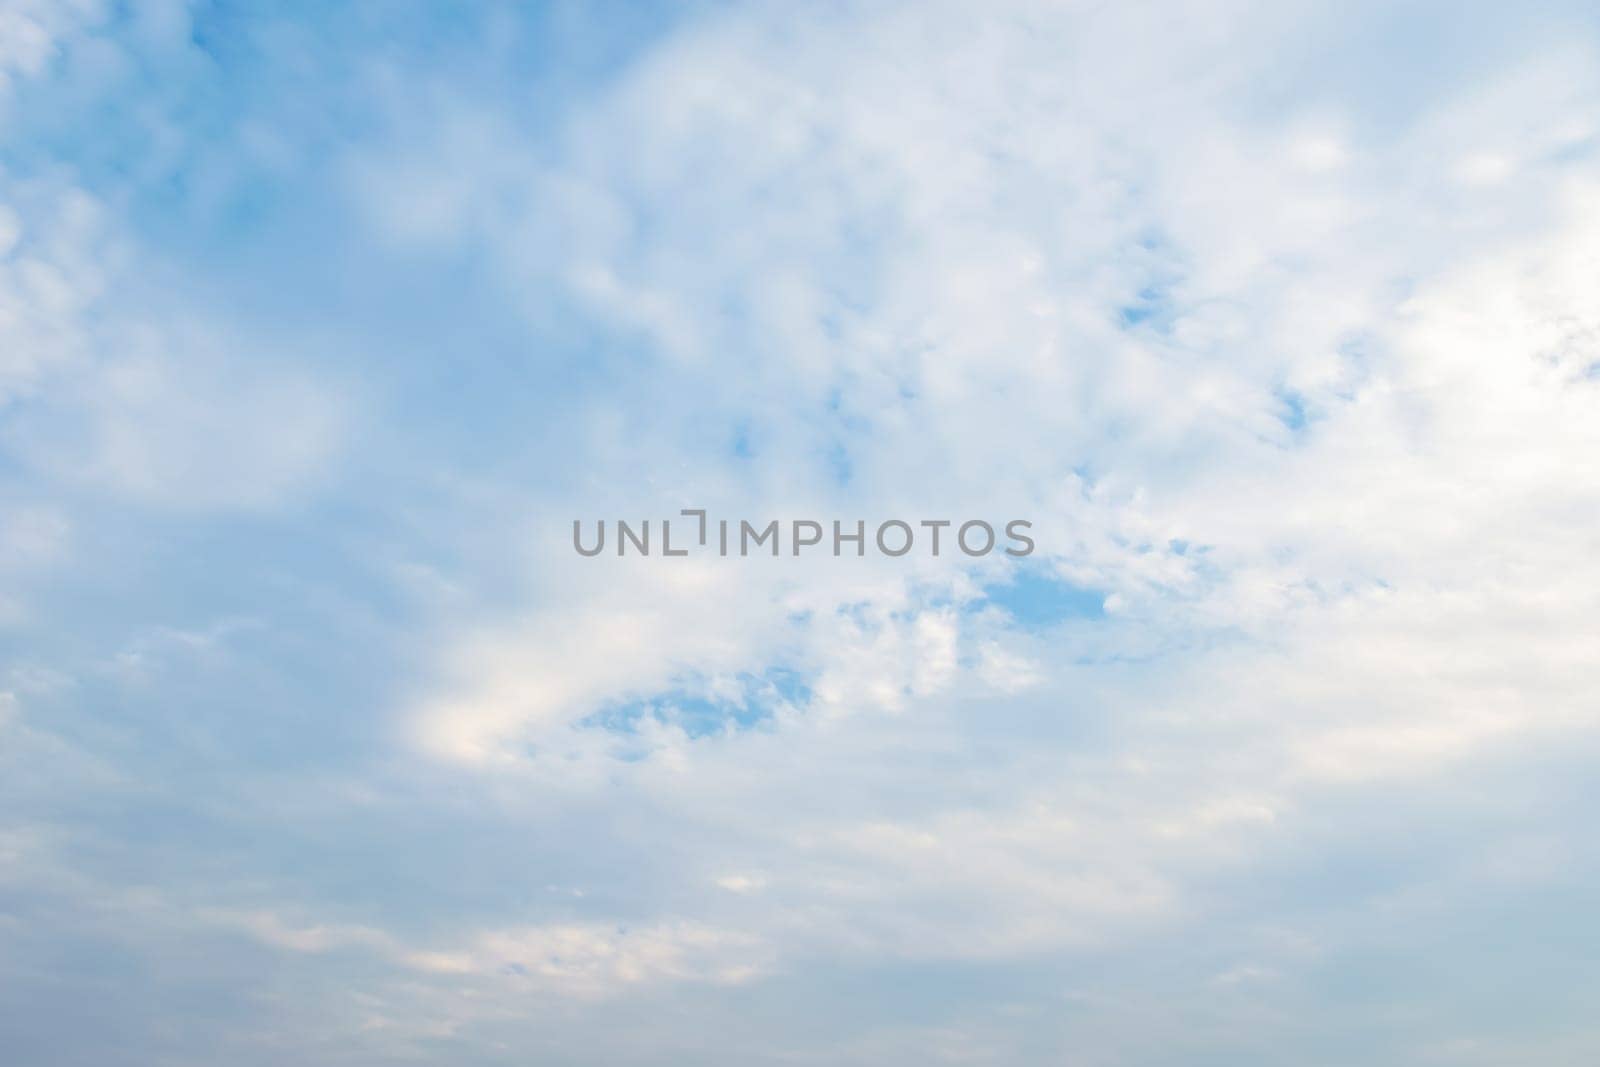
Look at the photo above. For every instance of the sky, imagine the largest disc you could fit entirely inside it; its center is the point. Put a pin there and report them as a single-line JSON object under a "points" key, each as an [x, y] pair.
{"points": [[321, 324]]}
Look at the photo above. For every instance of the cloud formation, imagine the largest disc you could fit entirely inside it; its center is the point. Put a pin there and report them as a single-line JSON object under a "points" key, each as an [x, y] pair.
{"points": [[1279, 325]]}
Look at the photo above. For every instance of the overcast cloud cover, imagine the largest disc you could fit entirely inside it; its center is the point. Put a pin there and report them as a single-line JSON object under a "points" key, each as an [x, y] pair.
{"points": [[320, 323]]}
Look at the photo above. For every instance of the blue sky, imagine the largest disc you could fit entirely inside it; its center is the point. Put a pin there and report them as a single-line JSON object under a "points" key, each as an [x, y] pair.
{"points": [[320, 324]]}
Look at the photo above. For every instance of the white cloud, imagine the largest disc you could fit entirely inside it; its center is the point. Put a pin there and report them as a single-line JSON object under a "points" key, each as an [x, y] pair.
{"points": [[1086, 290], [122, 388], [1303, 390], [579, 959], [31, 32]]}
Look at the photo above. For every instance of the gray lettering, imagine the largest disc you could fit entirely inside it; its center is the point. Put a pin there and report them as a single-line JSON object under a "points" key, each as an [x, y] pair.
{"points": [[961, 537], [666, 540], [625, 534], [1011, 532], [859, 537], [600, 538], [746, 530], [903, 548], [809, 541]]}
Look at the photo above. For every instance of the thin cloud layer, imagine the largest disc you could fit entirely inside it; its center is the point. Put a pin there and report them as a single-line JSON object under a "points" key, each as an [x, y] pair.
{"points": [[318, 329]]}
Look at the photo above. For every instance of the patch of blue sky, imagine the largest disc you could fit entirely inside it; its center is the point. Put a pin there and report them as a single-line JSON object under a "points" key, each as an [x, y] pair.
{"points": [[742, 448], [1035, 596], [1151, 306], [839, 466], [709, 707], [1292, 410]]}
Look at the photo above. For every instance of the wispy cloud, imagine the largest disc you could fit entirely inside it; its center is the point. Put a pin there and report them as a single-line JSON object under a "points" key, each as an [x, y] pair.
{"points": [[319, 327]]}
